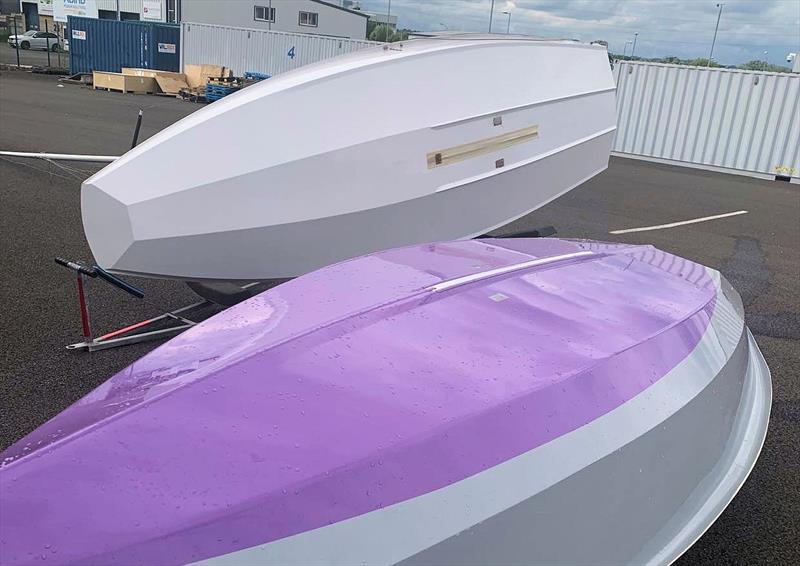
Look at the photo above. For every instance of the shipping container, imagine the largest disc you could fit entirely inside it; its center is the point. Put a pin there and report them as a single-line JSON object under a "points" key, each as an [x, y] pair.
{"points": [[731, 119], [263, 51], [109, 45]]}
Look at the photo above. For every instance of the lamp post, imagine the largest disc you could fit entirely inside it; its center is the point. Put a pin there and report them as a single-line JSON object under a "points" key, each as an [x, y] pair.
{"points": [[388, 16], [491, 13], [633, 49], [713, 41], [508, 27]]}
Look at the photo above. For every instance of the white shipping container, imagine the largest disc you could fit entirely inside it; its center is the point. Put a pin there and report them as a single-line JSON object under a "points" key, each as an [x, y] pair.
{"points": [[747, 121], [271, 52]]}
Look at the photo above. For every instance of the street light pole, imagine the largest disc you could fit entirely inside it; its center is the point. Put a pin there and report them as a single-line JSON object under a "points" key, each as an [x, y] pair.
{"points": [[633, 49], [508, 27], [388, 15], [491, 13], [713, 41]]}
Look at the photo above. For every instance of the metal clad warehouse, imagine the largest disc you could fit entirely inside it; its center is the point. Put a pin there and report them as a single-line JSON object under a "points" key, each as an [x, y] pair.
{"points": [[271, 52], [109, 45], [316, 17], [728, 118]]}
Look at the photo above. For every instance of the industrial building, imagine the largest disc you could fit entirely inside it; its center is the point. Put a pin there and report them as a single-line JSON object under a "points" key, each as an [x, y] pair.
{"points": [[315, 17], [298, 16], [39, 13]]}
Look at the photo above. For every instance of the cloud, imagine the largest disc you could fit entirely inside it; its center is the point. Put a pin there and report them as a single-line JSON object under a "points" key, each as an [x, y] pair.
{"points": [[683, 28]]}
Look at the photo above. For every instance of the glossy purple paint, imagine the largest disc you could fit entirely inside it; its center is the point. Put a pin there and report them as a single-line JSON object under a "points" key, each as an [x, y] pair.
{"points": [[343, 391]]}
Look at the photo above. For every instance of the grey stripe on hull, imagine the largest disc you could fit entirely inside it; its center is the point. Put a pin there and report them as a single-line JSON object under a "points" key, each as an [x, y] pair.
{"points": [[583, 481], [288, 250], [618, 510]]}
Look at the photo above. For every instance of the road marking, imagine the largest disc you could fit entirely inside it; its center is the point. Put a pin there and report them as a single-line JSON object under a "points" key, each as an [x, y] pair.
{"points": [[681, 223]]}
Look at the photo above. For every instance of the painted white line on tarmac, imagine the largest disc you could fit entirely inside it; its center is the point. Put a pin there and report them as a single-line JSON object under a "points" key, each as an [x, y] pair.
{"points": [[681, 223]]}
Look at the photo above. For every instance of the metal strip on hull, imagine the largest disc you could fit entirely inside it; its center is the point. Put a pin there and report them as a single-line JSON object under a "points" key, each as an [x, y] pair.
{"points": [[541, 262]]}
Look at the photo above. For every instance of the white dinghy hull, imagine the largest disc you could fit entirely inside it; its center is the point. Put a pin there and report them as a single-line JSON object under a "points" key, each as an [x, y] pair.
{"points": [[431, 140]]}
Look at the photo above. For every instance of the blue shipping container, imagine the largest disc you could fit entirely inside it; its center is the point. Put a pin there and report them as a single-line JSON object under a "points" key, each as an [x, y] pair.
{"points": [[109, 45]]}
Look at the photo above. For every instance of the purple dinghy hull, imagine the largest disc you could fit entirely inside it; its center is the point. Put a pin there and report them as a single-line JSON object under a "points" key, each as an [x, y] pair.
{"points": [[491, 401]]}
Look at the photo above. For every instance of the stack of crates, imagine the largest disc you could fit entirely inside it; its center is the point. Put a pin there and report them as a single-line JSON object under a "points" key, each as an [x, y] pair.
{"points": [[253, 77], [217, 88]]}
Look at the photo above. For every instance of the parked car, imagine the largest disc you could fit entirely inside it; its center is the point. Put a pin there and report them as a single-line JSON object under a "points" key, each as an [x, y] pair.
{"points": [[33, 39]]}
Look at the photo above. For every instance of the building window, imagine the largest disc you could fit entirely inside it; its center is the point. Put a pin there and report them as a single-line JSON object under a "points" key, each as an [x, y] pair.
{"points": [[264, 14], [172, 11], [308, 19]]}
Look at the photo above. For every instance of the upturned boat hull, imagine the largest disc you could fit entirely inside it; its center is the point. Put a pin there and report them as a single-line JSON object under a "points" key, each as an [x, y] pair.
{"points": [[430, 140], [493, 401]]}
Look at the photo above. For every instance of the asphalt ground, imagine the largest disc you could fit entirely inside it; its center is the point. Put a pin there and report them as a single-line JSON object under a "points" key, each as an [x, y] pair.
{"points": [[758, 252]]}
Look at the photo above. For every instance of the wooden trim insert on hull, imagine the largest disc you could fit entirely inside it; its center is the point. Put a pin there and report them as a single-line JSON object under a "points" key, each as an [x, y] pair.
{"points": [[481, 147]]}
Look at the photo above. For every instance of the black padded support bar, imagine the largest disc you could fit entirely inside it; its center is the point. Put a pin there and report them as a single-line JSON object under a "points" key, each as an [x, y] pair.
{"points": [[136, 131], [76, 266], [117, 282], [543, 232]]}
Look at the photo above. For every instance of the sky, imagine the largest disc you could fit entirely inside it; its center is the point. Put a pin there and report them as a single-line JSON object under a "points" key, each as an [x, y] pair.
{"points": [[683, 28]]}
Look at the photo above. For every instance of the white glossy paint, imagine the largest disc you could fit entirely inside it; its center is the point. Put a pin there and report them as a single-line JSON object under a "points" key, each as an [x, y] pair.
{"points": [[403, 530], [320, 146]]}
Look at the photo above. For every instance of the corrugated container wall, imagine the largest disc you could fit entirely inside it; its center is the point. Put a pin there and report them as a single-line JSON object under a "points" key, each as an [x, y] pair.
{"points": [[271, 52], [109, 45], [742, 120]]}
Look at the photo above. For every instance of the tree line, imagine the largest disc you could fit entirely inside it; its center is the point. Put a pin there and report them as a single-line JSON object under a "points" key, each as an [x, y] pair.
{"points": [[754, 65]]}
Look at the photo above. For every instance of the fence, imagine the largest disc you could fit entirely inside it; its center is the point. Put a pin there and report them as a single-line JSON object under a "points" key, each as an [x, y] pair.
{"points": [[43, 51], [747, 121], [262, 51]]}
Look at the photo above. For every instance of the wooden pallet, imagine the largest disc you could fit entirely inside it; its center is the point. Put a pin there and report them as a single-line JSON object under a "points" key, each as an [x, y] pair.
{"points": [[192, 95], [123, 91]]}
